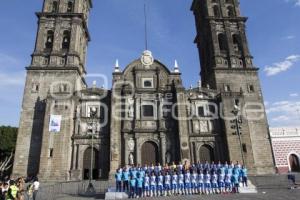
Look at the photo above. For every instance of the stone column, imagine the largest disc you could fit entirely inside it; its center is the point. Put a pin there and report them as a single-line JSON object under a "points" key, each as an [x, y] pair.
{"points": [[163, 148]]}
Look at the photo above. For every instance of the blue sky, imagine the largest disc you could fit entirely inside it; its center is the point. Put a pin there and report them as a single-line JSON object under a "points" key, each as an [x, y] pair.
{"points": [[116, 28]]}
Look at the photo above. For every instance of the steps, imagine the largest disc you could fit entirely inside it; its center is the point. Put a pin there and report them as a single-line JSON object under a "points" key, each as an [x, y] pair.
{"points": [[251, 189]]}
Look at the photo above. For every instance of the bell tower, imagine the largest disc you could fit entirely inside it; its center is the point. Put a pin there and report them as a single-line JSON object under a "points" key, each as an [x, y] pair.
{"points": [[226, 66], [56, 71]]}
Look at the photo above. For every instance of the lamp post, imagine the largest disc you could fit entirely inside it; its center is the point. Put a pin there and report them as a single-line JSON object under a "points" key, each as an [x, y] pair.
{"points": [[236, 111], [91, 189]]}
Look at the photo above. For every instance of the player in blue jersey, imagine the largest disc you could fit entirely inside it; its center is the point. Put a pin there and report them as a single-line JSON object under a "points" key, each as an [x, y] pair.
{"points": [[132, 184], [214, 183], [125, 179], [133, 172], [146, 185], [201, 182], [244, 175], [194, 182], [118, 177], [167, 186], [139, 185], [187, 182], [160, 184], [235, 181], [174, 183], [152, 185], [207, 183], [180, 183], [228, 184]]}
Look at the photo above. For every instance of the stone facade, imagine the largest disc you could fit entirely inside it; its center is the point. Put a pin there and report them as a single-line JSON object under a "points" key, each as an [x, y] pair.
{"points": [[286, 148], [148, 116]]}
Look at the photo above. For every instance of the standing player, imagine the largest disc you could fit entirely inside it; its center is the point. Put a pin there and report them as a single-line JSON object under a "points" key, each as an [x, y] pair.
{"points": [[132, 187], [221, 180], [235, 182], [214, 182], [181, 183], [207, 184], [146, 185], [174, 183], [167, 185], [125, 178], [194, 182], [244, 174], [201, 182], [152, 185], [187, 182], [118, 177], [228, 184], [160, 184], [139, 185]]}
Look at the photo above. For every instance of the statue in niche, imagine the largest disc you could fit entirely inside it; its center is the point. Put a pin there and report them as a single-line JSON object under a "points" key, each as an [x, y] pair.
{"points": [[131, 159], [168, 157], [130, 108]]}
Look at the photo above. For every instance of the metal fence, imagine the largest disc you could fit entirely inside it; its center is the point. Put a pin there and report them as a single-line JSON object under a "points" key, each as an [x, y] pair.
{"points": [[56, 190]]}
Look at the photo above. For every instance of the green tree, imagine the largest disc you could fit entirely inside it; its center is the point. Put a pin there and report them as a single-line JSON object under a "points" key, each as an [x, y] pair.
{"points": [[8, 139]]}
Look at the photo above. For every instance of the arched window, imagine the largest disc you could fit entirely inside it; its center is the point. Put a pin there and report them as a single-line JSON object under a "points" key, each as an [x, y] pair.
{"points": [[66, 40], [49, 40], [70, 8], [222, 42], [237, 43], [230, 11], [55, 7], [216, 11]]}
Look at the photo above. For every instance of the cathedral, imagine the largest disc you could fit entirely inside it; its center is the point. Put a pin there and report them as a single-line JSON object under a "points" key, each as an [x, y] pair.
{"points": [[69, 130]]}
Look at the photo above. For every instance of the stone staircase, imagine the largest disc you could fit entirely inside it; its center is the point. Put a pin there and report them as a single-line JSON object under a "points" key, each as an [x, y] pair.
{"points": [[251, 189]]}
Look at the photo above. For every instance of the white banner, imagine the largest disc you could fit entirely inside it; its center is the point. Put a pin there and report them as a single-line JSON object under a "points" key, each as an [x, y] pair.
{"points": [[55, 123]]}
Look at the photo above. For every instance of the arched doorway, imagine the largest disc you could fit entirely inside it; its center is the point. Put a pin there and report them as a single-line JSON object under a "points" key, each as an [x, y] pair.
{"points": [[206, 153], [149, 153], [87, 164], [294, 163]]}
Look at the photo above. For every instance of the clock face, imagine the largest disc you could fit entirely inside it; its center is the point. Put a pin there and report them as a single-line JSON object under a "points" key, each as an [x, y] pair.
{"points": [[147, 58]]}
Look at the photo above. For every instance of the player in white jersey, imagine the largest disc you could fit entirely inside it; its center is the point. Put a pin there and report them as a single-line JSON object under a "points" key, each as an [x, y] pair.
{"points": [[221, 182], [194, 182], [187, 182], [174, 183], [146, 185], [152, 185], [160, 184], [228, 184], [214, 183], [167, 186], [201, 182], [180, 183], [207, 184]]}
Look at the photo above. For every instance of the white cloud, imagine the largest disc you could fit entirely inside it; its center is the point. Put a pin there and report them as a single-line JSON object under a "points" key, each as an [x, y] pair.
{"points": [[279, 67], [296, 2], [7, 60], [284, 113], [289, 37], [280, 118], [12, 79], [294, 95]]}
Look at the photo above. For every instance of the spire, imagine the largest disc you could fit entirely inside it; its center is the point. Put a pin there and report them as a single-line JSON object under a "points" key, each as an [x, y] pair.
{"points": [[117, 67], [94, 84], [176, 67], [146, 31]]}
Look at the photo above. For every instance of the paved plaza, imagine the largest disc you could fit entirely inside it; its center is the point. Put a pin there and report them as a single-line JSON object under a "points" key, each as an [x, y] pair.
{"points": [[270, 194]]}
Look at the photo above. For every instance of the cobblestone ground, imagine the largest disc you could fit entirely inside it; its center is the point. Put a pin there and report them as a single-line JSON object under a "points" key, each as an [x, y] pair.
{"points": [[272, 194]]}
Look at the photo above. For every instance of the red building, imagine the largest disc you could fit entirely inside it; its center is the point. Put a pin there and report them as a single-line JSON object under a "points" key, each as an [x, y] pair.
{"points": [[286, 148]]}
